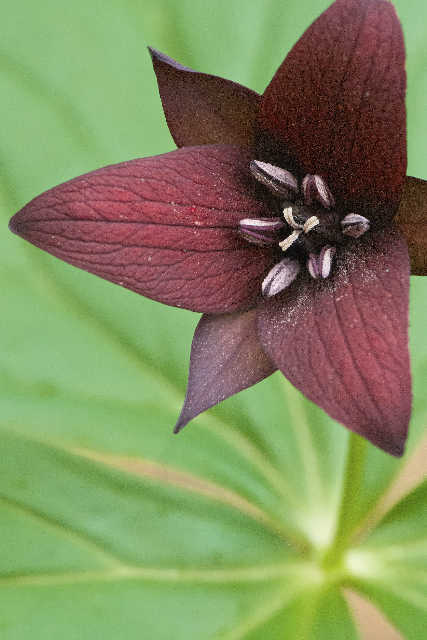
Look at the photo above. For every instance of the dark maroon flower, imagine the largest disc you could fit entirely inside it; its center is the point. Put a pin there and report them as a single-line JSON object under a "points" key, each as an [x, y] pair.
{"points": [[275, 220]]}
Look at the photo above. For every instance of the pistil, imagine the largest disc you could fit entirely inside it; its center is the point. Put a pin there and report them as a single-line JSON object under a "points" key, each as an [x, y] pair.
{"points": [[287, 242], [298, 229]]}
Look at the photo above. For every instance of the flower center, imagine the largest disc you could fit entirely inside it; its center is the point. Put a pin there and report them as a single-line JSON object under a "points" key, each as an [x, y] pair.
{"points": [[309, 230]]}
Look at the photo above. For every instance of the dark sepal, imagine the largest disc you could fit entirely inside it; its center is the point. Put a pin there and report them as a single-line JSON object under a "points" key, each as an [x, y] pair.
{"points": [[204, 109], [226, 357]]}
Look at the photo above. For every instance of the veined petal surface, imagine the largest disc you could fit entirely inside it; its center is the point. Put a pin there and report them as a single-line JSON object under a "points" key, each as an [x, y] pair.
{"points": [[344, 342], [337, 104], [165, 227], [226, 357], [204, 109]]}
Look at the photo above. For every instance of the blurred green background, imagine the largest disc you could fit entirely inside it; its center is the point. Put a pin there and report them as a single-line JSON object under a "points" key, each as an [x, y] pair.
{"points": [[88, 366]]}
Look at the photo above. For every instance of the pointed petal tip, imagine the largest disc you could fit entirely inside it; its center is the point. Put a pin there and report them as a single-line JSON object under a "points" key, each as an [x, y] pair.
{"points": [[158, 56], [397, 450], [395, 447], [392, 441], [179, 426], [183, 420], [14, 224], [155, 54], [17, 225]]}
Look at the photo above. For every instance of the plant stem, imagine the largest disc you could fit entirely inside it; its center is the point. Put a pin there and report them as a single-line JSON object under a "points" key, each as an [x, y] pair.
{"points": [[348, 514]]}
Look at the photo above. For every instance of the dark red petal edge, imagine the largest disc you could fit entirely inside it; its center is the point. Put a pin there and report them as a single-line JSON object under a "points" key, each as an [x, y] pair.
{"points": [[204, 109], [226, 357], [411, 219], [344, 342], [337, 104], [165, 227]]}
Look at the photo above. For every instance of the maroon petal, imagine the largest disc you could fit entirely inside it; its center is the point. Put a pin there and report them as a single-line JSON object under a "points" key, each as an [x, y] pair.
{"points": [[165, 227], [411, 219], [337, 103], [343, 342], [226, 357], [204, 109]]}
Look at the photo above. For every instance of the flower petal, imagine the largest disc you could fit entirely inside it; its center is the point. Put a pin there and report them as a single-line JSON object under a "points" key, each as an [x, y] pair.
{"points": [[165, 227], [337, 104], [343, 342], [204, 109], [411, 219], [226, 357]]}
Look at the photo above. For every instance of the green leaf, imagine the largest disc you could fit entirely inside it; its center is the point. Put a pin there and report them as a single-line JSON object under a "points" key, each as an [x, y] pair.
{"points": [[390, 566], [111, 527]]}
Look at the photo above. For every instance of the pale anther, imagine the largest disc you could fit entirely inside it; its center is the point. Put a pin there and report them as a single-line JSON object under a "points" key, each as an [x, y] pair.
{"points": [[278, 180], [320, 266], [261, 231], [354, 225], [315, 188], [325, 261], [259, 223], [310, 224], [287, 242], [324, 195], [312, 266], [280, 277]]}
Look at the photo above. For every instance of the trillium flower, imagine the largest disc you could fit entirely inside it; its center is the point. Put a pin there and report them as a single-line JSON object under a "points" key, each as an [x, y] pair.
{"points": [[280, 218]]}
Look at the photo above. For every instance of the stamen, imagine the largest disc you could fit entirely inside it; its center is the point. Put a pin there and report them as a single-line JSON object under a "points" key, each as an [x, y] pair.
{"points": [[310, 224], [257, 238], [280, 277], [325, 260], [279, 181], [320, 266], [315, 188], [261, 231], [259, 224], [354, 225], [289, 217], [287, 242], [312, 266]]}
